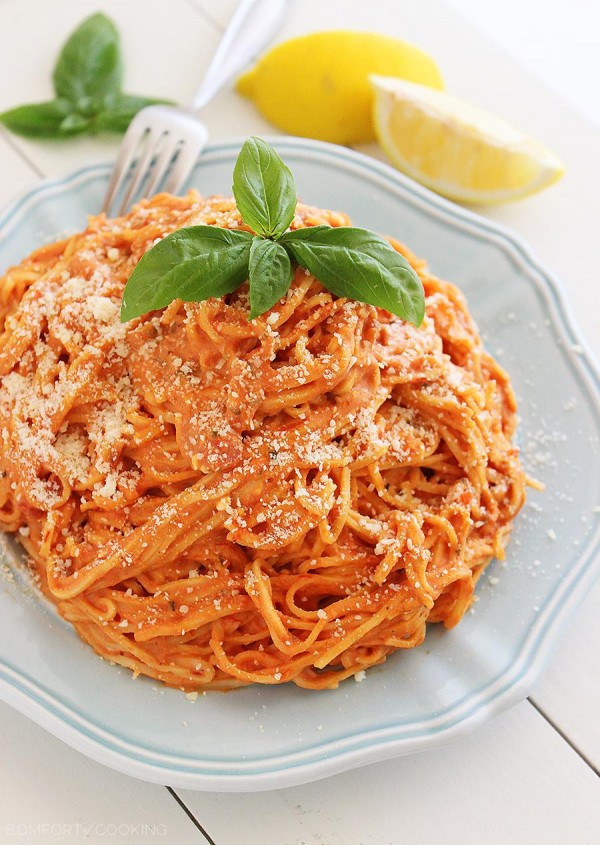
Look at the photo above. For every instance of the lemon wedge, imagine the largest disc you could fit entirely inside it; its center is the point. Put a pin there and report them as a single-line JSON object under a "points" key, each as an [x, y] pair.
{"points": [[456, 149], [317, 85]]}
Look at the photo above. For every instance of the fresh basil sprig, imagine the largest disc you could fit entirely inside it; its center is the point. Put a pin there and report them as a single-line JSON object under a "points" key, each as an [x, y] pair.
{"points": [[361, 265], [90, 63], [264, 189], [199, 262], [270, 274], [87, 80], [192, 264]]}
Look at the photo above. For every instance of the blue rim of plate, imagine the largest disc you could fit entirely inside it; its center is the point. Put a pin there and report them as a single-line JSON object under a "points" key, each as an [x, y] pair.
{"points": [[334, 756]]}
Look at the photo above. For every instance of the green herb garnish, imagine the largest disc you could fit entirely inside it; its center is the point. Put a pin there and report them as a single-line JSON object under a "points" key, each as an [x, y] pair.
{"points": [[199, 262], [87, 80], [264, 189]]}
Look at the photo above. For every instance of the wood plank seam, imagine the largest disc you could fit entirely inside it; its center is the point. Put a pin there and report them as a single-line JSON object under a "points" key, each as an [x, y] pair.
{"points": [[563, 735], [190, 815], [15, 147], [205, 15]]}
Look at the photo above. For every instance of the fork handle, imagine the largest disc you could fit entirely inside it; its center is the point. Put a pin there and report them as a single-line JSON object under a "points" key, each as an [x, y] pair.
{"points": [[252, 26]]}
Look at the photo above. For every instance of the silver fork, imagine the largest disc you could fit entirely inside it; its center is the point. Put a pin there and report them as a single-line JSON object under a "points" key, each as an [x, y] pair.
{"points": [[162, 143]]}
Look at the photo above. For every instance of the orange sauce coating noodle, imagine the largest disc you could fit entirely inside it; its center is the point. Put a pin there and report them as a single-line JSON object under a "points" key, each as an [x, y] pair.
{"points": [[215, 502]]}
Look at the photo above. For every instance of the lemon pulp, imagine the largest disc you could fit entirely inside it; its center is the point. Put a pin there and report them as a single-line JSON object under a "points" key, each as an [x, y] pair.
{"points": [[455, 149]]}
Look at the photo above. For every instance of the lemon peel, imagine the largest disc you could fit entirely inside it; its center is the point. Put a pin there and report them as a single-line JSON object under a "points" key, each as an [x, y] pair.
{"points": [[317, 85]]}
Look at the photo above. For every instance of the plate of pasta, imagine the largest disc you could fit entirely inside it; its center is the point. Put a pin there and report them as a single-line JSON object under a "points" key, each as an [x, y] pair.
{"points": [[315, 539]]}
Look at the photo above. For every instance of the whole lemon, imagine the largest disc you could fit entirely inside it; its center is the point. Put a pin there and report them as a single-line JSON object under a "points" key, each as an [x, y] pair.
{"points": [[318, 86]]}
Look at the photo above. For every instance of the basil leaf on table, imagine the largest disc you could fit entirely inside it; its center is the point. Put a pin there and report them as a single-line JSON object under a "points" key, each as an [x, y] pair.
{"points": [[90, 63], [361, 265], [192, 264], [264, 189], [74, 124], [39, 120], [270, 275], [87, 80], [118, 110]]}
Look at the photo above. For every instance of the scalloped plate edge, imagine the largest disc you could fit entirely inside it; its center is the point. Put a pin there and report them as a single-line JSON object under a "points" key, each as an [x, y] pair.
{"points": [[333, 757]]}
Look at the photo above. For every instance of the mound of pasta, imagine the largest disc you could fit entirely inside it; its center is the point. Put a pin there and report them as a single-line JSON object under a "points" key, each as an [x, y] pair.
{"points": [[213, 501]]}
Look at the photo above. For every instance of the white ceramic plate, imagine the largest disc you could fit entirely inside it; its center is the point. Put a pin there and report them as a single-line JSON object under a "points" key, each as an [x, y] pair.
{"points": [[269, 737]]}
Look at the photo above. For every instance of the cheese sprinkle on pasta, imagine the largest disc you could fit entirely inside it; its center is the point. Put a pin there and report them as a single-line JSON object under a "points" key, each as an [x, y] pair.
{"points": [[213, 501]]}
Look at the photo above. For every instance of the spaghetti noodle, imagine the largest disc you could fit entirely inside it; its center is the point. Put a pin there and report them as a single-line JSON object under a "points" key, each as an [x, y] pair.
{"points": [[213, 501]]}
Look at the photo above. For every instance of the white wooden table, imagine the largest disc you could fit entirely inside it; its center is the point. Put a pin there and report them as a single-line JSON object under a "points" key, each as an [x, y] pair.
{"points": [[531, 775]]}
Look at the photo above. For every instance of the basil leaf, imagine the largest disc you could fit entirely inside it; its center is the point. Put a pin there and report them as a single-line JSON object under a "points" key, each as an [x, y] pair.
{"points": [[264, 189], [270, 275], [361, 265], [192, 264], [74, 123], [118, 110], [87, 79], [89, 106], [39, 120], [90, 62]]}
